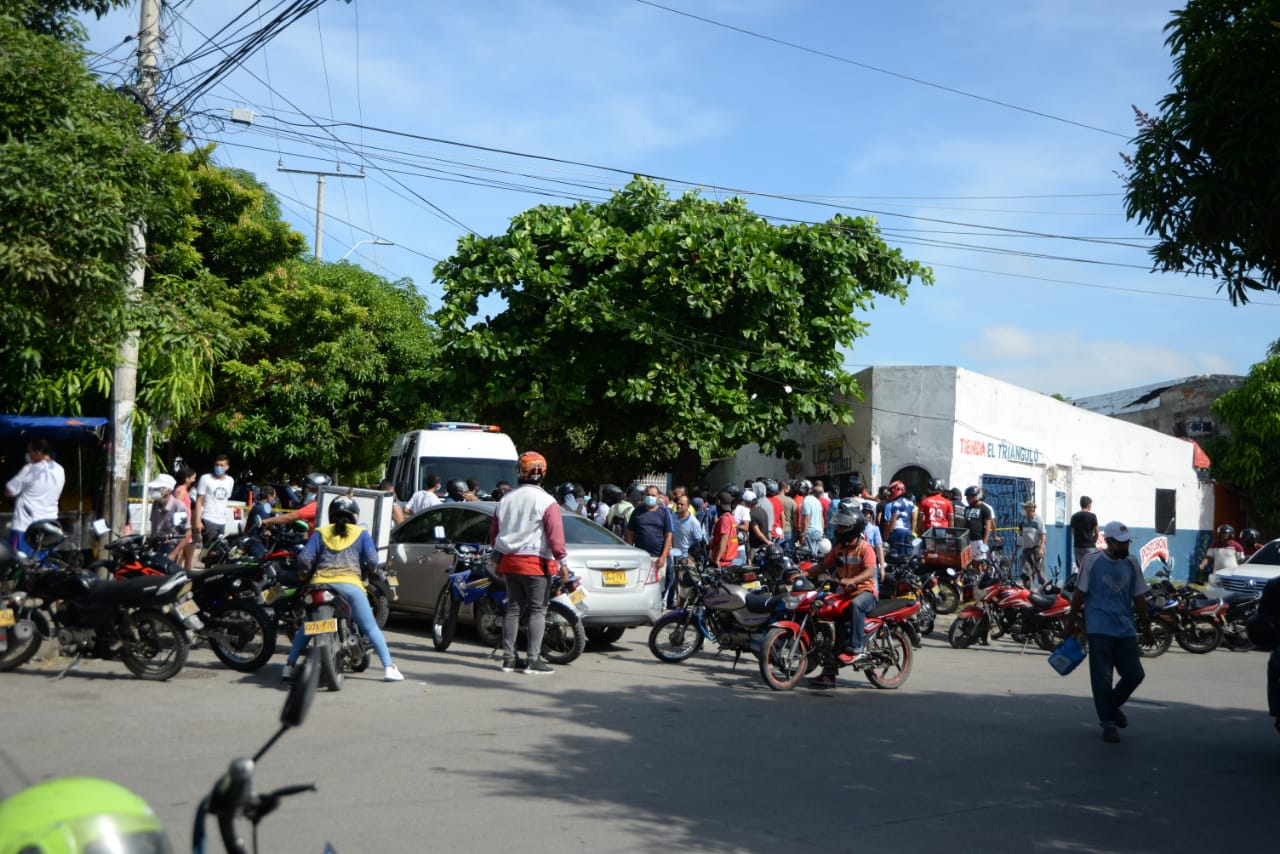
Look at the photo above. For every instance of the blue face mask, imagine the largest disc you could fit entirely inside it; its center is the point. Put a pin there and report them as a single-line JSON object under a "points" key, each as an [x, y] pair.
{"points": [[219, 471], [651, 501]]}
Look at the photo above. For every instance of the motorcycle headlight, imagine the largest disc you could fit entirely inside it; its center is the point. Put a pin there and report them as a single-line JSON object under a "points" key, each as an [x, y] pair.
{"points": [[791, 601]]}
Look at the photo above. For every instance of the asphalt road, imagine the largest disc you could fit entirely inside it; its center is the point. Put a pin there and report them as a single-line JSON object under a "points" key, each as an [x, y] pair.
{"points": [[983, 749]]}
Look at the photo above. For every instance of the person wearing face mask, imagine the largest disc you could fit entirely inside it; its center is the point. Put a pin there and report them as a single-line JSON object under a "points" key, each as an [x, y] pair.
{"points": [[649, 528], [1111, 590], [164, 505], [35, 490], [212, 493]]}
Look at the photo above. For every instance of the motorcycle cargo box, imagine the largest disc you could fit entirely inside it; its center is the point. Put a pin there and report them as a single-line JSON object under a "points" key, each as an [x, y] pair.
{"points": [[945, 546]]}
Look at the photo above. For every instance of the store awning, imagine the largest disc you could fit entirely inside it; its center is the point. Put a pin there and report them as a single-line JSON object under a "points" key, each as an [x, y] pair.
{"points": [[1199, 459], [53, 427]]}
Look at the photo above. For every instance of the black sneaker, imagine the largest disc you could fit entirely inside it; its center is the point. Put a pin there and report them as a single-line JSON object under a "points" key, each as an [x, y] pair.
{"points": [[538, 667], [1110, 735], [1121, 720], [508, 665]]}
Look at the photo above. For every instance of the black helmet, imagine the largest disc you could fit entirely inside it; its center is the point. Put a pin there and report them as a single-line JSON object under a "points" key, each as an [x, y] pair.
{"points": [[611, 493], [45, 534], [344, 509], [456, 489], [973, 492], [735, 491], [564, 490], [955, 493], [936, 486], [724, 500], [803, 487], [317, 480], [884, 493], [1249, 537], [1226, 531], [770, 486], [635, 492]]}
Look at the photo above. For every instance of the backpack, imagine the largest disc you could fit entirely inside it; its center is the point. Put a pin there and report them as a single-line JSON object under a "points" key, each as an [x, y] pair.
{"points": [[1263, 627]]}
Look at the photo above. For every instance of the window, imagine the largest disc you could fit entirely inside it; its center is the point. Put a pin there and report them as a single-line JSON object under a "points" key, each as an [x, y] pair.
{"points": [[471, 527], [421, 529], [579, 531], [1166, 511]]}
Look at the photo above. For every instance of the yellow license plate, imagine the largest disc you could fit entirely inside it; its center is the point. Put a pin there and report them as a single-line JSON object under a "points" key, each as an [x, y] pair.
{"points": [[7, 618], [393, 581], [577, 596], [751, 585], [270, 595], [614, 578], [187, 608], [320, 627]]}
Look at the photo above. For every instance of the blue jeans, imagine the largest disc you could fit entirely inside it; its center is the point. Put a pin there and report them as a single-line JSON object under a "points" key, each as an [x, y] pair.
{"points": [[811, 540], [1108, 653], [362, 613], [861, 606]]}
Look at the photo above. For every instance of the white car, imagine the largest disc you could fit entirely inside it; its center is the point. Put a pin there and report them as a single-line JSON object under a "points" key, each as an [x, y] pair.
{"points": [[1250, 576]]}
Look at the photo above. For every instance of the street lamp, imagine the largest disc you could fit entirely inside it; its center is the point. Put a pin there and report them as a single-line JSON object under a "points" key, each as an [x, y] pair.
{"points": [[376, 242]]}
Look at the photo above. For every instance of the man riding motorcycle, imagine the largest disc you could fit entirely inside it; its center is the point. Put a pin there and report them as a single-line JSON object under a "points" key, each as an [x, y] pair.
{"points": [[852, 561]]}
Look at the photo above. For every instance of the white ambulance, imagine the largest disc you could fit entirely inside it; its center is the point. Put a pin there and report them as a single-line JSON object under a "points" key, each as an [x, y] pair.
{"points": [[454, 450]]}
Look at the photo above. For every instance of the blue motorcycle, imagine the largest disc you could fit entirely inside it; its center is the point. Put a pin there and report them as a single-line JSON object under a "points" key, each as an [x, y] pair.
{"points": [[473, 582]]}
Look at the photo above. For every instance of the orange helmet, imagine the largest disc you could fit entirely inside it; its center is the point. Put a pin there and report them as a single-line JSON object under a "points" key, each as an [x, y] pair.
{"points": [[531, 467], [896, 490]]}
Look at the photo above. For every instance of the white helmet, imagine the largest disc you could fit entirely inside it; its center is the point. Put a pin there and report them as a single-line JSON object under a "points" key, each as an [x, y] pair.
{"points": [[824, 546]]}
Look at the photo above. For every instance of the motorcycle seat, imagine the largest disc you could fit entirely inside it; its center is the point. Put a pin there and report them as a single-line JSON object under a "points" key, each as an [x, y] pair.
{"points": [[1043, 601], [888, 606], [760, 601], [138, 589], [1201, 602]]}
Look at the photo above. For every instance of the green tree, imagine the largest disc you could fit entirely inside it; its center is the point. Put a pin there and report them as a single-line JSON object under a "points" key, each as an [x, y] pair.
{"points": [[332, 366], [646, 333], [74, 178], [1250, 455], [55, 18], [1202, 177]]}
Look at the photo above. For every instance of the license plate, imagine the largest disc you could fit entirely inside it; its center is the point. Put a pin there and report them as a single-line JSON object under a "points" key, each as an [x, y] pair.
{"points": [[187, 608], [614, 577], [392, 581], [7, 618], [320, 627], [751, 585], [575, 597], [270, 595]]}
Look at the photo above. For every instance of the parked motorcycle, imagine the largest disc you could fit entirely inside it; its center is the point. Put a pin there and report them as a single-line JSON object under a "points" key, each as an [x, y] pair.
{"points": [[817, 625], [718, 609], [1001, 607], [906, 581], [145, 621], [1182, 614], [475, 582]]}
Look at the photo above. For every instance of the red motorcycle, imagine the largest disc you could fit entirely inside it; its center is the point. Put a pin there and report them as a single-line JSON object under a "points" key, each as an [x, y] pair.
{"points": [[1001, 607], [817, 626]]}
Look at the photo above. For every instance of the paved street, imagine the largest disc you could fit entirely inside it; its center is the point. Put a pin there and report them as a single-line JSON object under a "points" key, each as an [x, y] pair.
{"points": [[983, 749]]}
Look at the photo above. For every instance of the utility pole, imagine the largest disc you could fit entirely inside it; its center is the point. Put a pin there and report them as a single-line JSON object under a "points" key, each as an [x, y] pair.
{"points": [[320, 176], [125, 382]]}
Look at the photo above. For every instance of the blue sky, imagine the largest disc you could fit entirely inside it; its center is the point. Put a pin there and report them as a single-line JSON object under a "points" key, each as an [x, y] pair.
{"points": [[1018, 208]]}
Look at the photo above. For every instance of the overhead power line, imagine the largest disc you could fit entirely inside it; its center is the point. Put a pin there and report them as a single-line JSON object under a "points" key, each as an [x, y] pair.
{"points": [[877, 69]]}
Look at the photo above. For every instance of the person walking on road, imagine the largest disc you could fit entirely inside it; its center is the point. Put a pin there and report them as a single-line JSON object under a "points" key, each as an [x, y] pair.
{"points": [[1031, 539], [35, 490], [213, 491], [1110, 589], [527, 533]]}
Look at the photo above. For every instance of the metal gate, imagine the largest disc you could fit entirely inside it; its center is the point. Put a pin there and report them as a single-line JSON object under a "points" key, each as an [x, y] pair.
{"points": [[1005, 495]]}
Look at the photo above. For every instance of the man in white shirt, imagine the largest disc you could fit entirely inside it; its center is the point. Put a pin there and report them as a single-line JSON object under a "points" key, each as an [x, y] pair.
{"points": [[423, 498], [213, 491], [35, 490]]}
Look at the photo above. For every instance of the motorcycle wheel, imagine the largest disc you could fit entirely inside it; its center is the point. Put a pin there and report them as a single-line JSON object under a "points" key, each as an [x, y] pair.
{"points": [[488, 621], [891, 652], [160, 650], [925, 619], [361, 664], [250, 635], [1200, 637], [380, 602], [19, 653], [330, 672], [605, 635], [948, 599], [783, 658], [675, 637], [1161, 638], [445, 622], [564, 638], [963, 632], [997, 630]]}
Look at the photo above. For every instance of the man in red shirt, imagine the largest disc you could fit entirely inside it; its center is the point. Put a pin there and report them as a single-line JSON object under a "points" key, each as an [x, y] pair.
{"points": [[528, 535], [936, 511], [852, 561], [724, 540]]}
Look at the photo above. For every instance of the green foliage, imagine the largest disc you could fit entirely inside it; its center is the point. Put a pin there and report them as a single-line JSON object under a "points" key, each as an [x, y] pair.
{"points": [[645, 333], [1250, 455], [56, 18], [74, 178], [331, 367], [1203, 176]]}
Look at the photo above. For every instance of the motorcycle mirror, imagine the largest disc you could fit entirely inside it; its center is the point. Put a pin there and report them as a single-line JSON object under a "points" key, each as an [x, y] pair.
{"points": [[301, 692], [101, 528]]}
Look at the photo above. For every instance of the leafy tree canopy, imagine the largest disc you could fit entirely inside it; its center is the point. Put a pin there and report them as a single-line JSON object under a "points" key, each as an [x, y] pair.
{"points": [[647, 334], [55, 18], [333, 364], [1250, 455], [1202, 176]]}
